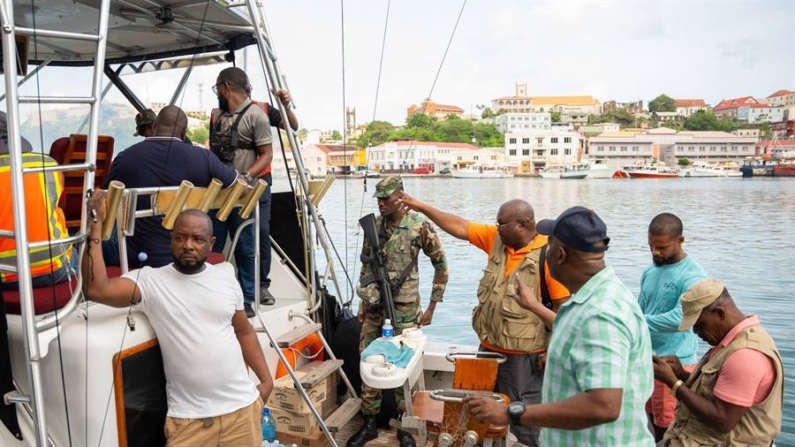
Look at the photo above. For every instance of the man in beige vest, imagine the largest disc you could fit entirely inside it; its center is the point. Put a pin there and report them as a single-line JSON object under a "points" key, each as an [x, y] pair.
{"points": [[515, 268], [734, 396]]}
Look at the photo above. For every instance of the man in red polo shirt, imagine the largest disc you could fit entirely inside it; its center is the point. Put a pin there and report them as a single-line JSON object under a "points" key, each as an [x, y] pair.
{"points": [[516, 253]]}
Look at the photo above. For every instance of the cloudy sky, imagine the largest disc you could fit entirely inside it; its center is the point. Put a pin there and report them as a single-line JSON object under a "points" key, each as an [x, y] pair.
{"points": [[623, 50]]}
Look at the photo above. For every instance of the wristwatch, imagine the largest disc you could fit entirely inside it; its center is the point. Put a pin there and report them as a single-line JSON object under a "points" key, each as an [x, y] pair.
{"points": [[515, 411], [249, 178]]}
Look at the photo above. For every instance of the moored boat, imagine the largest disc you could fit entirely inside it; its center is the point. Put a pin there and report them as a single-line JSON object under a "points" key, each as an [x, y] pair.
{"points": [[658, 172], [599, 169], [702, 169], [482, 172], [577, 171], [784, 170]]}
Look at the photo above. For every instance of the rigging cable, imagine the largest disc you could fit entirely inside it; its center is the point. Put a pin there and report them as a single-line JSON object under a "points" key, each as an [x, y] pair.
{"points": [[75, 252], [438, 72], [367, 158], [344, 135]]}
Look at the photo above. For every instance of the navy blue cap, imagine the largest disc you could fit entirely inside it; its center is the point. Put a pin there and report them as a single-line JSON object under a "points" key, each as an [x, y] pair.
{"points": [[579, 228]]}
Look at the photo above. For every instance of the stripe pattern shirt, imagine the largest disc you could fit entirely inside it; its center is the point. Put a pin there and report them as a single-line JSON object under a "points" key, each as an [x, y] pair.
{"points": [[600, 340]]}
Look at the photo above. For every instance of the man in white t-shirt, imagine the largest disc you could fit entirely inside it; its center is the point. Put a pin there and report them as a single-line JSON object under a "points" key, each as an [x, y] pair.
{"points": [[196, 310]]}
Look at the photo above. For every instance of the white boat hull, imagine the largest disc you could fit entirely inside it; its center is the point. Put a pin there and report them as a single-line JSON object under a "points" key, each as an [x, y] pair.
{"points": [[709, 173], [460, 174]]}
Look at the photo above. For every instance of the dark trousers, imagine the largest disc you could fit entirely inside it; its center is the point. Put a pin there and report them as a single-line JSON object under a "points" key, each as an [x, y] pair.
{"points": [[265, 233], [520, 379]]}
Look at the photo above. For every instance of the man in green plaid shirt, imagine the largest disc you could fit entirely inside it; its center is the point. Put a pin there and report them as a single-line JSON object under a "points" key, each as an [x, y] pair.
{"points": [[598, 374]]}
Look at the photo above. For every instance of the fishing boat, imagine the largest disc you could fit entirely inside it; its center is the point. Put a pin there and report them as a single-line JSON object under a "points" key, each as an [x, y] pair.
{"points": [[476, 171], [784, 170], [656, 172], [758, 167], [76, 369]]}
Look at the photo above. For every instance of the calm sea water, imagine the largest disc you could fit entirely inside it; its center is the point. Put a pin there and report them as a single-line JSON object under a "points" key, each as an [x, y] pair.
{"points": [[740, 230]]}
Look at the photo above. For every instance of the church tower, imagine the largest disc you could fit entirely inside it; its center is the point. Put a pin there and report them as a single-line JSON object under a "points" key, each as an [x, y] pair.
{"points": [[350, 121], [521, 88]]}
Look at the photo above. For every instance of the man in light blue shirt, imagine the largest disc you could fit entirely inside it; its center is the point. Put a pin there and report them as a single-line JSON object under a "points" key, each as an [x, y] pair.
{"points": [[662, 283]]}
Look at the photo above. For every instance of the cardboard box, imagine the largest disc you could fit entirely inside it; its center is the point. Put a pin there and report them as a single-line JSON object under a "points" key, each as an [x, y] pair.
{"points": [[286, 397], [293, 423], [315, 439]]}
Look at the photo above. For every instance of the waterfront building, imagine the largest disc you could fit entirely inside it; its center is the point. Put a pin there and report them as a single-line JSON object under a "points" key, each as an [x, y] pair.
{"points": [[315, 160], [669, 146], [407, 155], [530, 151]]}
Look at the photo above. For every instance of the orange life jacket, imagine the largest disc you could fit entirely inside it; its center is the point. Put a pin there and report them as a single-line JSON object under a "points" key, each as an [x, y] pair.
{"points": [[45, 219]]}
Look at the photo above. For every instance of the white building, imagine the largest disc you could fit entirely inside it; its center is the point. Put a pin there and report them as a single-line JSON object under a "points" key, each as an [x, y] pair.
{"points": [[405, 156], [760, 114], [517, 122], [315, 161], [530, 151], [669, 146], [487, 156]]}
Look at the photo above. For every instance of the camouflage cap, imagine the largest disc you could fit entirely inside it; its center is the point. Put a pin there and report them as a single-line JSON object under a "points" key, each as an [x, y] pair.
{"points": [[386, 186], [144, 118]]}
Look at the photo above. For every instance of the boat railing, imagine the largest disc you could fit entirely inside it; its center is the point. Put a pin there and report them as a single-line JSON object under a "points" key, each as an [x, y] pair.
{"points": [[31, 327]]}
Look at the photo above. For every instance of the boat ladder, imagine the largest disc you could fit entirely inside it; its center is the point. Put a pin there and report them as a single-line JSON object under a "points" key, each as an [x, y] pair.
{"points": [[32, 399]]}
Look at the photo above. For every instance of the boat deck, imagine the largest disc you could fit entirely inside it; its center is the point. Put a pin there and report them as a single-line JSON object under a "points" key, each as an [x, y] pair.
{"points": [[386, 438]]}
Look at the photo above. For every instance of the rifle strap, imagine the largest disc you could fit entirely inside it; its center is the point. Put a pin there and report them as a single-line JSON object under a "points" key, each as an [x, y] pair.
{"points": [[403, 276], [546, 299], [382, 239]]}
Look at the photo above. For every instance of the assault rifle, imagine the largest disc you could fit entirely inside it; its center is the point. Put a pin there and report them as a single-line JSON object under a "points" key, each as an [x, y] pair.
{"points": [[377, 262]]}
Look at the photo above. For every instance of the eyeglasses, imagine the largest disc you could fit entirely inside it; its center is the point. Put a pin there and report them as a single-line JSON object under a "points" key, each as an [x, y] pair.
{"points": [[500, 226], [215, 87]]}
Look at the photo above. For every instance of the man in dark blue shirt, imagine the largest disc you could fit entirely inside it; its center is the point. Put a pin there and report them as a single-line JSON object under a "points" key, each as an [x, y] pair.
{"points": [[161, 160]]}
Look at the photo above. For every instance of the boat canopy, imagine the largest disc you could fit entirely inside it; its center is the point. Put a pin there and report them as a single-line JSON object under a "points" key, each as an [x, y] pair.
{"points": [[138, 30]]}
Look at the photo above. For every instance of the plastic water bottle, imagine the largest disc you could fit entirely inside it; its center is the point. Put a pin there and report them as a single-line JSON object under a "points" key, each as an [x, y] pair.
{"points": [[387, 331], [268, 425]]}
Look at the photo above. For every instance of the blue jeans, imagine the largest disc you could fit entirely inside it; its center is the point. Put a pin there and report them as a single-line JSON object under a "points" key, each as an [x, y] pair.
{"points": [[265, 233], [50, 279], [244, 251]]}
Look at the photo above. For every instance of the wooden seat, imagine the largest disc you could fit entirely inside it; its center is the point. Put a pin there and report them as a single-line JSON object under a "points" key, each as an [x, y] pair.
{"points": [[47, 299], [73, 150]]}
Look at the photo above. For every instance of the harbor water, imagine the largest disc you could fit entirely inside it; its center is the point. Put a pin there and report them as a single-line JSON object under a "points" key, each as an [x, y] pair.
{"points": [[740, 230]]}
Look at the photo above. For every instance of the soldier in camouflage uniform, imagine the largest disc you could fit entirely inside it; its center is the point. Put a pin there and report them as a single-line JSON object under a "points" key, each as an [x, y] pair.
{"points": [[402, 235]]}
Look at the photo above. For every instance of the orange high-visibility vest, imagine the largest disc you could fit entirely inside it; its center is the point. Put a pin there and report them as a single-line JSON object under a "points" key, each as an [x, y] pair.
{"points": [[45, 219], [261, 105]]}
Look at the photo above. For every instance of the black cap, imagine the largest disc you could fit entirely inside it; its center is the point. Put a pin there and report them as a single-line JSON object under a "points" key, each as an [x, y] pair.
{"points": [[579, 228]]}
